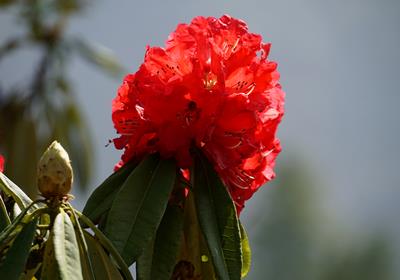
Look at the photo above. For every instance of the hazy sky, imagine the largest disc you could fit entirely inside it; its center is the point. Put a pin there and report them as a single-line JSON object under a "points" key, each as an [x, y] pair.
{"points": [[340, 67]]}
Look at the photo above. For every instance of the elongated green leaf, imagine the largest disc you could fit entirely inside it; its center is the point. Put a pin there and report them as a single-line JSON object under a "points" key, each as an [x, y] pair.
{"points": [[103, 266], [144, 262], [66, 250], [101, 199], [218, 220], [16, 225], [87, 268], [108, 246], [194, 250], [4, 218], [102, 222], [15, 211], [13, 190], [167, 242], [246, 251], [13, 265], [166, 246], [87, 271], [50, 269], [139, 206]]}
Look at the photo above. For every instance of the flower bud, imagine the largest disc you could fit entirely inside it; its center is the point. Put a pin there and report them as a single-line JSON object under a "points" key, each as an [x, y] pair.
{"points": [[54, 172]]}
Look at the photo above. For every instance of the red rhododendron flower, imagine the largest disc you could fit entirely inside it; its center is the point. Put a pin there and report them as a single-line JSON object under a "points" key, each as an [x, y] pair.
{"points": [[212, 85], [1, 163]]}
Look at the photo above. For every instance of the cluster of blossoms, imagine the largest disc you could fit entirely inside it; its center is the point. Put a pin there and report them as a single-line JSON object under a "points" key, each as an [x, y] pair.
{"points": [[212, 86]]}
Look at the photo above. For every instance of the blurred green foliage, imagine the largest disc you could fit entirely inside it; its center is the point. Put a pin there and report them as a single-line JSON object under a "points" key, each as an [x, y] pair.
{"points": [[290, 241], [34, 113]]}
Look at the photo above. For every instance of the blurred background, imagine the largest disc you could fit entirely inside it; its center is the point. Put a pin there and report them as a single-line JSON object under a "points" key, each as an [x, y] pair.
{"points": [[332, 212]]}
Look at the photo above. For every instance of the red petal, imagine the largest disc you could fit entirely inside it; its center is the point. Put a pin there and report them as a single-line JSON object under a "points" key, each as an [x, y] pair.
{"points": [[1, 163], [238, 123]]}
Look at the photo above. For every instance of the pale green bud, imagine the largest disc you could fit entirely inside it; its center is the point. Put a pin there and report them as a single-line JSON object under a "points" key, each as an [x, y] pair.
{"points": [[55, 174]]}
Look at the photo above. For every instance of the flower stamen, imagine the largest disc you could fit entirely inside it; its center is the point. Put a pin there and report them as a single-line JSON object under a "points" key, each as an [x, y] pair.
{"points": [[210, 81]]}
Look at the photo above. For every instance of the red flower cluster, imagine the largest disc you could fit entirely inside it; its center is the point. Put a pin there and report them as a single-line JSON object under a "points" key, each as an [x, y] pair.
{"points": [[1, 163], [212, 85]]}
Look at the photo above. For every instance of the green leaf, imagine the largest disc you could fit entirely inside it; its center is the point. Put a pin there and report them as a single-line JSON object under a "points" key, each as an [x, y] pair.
{"points": [[139, 206], [108, 246], [66, 250], [144, 262], [13, 190], [4, 218], [218, 221], [15, 211], [167, 243], [87, 268], [194, 250], [246, 251], [101, 199], [14, 263], [165, 248], [103, 266], [12, 229], [50, 269]]}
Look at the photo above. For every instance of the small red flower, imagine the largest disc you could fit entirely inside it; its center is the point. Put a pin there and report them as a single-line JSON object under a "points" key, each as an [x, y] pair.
{"points": [[1, 163], [212, 85]]}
